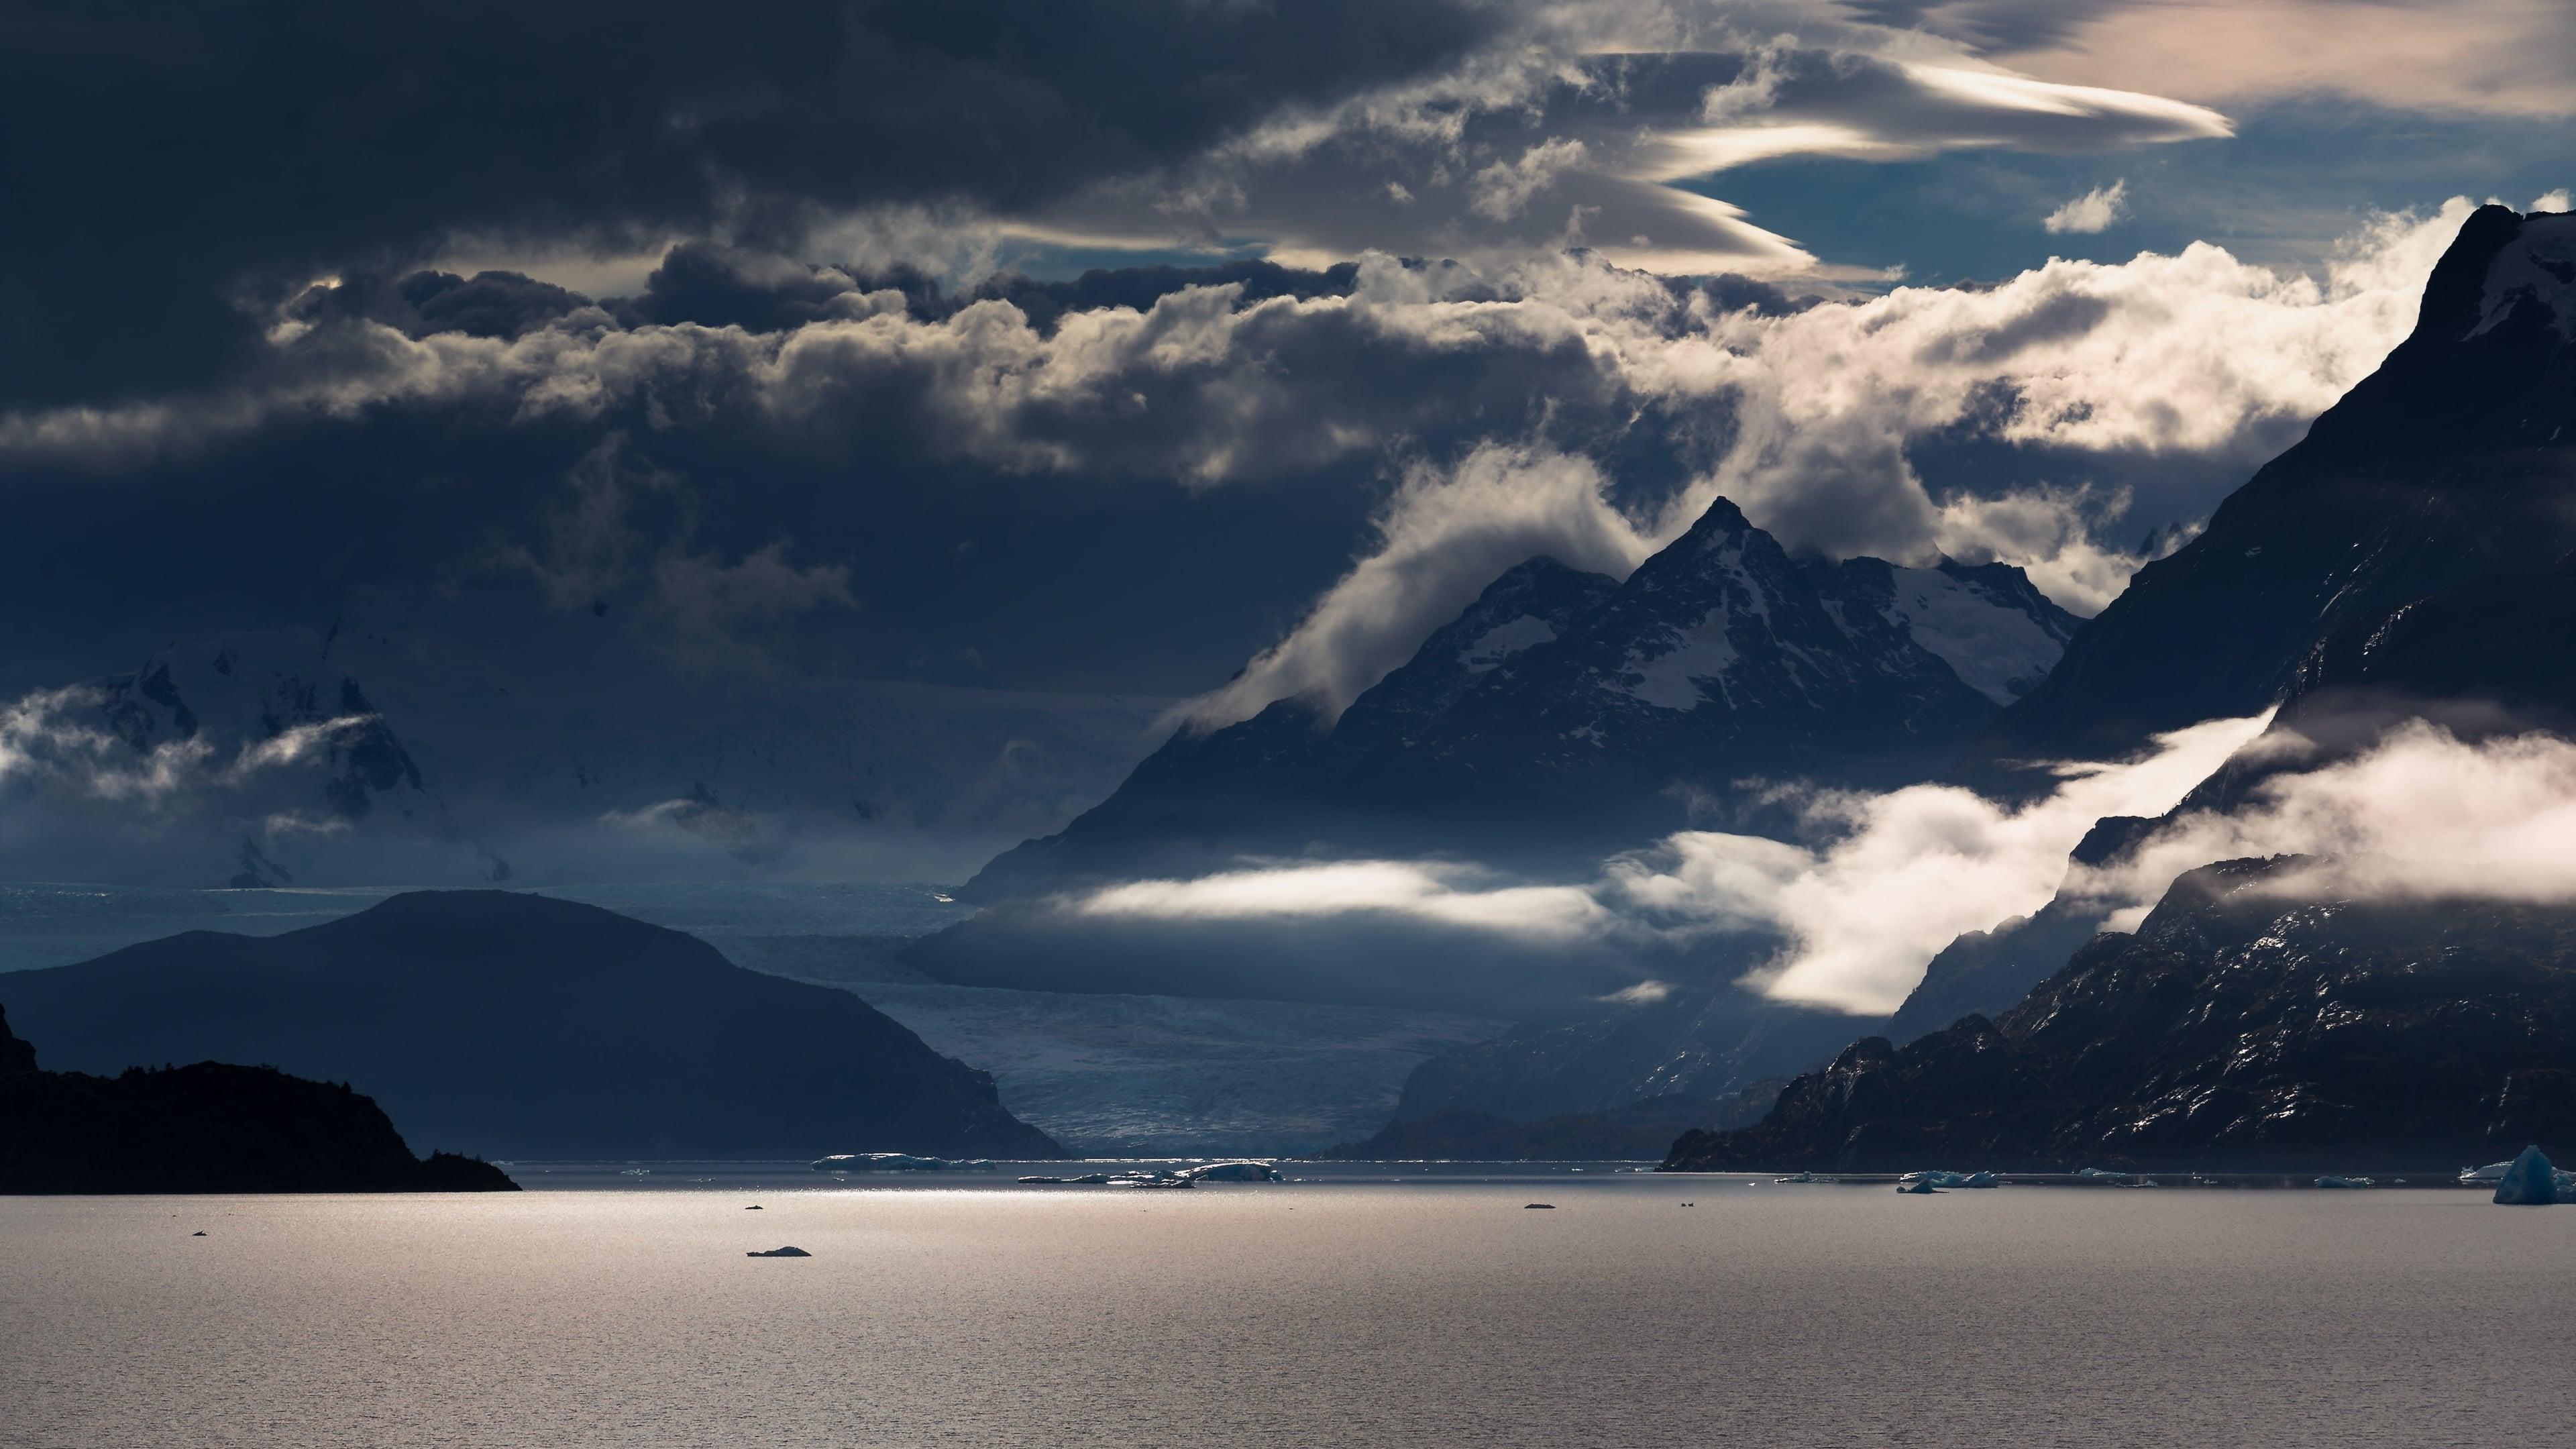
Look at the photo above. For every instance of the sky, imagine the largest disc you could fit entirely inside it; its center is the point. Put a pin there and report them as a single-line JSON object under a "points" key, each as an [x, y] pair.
{"points": [[1185, 350]]}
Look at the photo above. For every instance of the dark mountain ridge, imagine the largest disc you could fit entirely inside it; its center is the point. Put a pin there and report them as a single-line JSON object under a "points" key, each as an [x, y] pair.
{"points": [[521, 1026], [2447, 465], [2250, 1024]]}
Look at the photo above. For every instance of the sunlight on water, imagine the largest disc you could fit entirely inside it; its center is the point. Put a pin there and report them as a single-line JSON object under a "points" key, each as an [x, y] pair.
{"points": [[1436, 1313]]}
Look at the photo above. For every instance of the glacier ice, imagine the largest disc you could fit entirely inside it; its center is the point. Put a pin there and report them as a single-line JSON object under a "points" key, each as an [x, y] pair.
{"points": [[2531, 1181]]}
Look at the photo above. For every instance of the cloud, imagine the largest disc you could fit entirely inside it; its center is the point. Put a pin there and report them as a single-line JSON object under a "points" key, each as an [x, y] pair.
{"points": [[1814, 418], [1893, 878], [1882, 883], [2479, 57], [1441, 538], [2092, 212], [2422, 815], [1436, 893], [628, 522], [61, 740]]}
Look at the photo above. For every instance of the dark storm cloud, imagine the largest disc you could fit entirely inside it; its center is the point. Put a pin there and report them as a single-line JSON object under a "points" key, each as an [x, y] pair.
{"points": [[168, 160]]}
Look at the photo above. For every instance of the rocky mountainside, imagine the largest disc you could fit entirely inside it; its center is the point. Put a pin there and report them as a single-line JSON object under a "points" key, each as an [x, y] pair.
{"points": [[2446, 466], [2244, 1026], [1563, 715], [2478, 659], [521, 1026], [205, 1128]]}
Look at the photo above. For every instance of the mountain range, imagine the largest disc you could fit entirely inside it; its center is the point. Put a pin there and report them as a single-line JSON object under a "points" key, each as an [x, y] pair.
{"points": [[1566, 714]]}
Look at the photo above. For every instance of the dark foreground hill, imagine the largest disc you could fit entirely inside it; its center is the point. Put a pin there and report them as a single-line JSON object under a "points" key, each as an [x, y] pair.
{"points": [[206, 1128], [519, 1026], [2252, 1023]]}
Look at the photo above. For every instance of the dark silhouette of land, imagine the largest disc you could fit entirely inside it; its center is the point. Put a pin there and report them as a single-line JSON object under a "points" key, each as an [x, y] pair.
{"points": [[518, 1026], [211, 1127]]}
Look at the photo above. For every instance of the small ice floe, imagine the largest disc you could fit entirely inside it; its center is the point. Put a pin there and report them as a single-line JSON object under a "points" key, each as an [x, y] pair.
{"points": [[1041, 1179], [2531, 1181], [779, 1253], [1090, 1179], [1801, 1177], [2097, 1174], [2332, 1181], [1981, 1179], [1920, 1187], [2486, 1176], [1551, 1207], [1238, 1171]]}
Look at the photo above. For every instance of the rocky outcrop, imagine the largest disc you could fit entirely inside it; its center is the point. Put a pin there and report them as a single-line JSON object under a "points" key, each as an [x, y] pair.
{"points": [[2244, 1026], [210, 1127]]}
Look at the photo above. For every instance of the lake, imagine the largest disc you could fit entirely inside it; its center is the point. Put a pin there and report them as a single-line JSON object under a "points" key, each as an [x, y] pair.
{"points": [[1365, 1305]]}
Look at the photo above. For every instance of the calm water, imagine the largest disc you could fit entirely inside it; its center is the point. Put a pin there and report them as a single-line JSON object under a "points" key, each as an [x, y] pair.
{"points": [[1437, 1312]]}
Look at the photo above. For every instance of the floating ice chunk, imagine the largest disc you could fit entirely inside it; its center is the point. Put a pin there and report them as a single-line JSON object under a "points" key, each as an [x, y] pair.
{"points": [[1920, 1187], [2097, 1174], [2331, 1181], [1951, 1179], [2485, 1176], [2529, 1181], [1802, 1177], [1244, 1171], [889, 1162]]}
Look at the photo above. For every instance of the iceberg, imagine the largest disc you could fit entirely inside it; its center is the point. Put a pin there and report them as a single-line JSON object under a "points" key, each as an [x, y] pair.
{"points": [[780, 1253], [2331, 1181], [2485, 1176], [1922, 1187], [893, 1162], [2096, 1174], [1801, 1177], [2530, 1181], [1244, 1171], [1952, 1179]]}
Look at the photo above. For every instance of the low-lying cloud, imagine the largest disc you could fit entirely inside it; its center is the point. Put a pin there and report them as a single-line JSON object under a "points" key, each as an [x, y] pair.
{"points": [[1883, 882]]}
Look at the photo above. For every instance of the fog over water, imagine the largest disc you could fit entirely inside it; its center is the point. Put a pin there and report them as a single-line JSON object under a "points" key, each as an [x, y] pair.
{"points": [[1379, 1312]]}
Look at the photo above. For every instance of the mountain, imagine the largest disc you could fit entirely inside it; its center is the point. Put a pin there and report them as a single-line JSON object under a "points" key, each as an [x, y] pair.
{"points": [[1563, 716], [205, 1128], [1711, 1043], [203, 762], [2446, 466], [521, 1026], [2249, 1024]]}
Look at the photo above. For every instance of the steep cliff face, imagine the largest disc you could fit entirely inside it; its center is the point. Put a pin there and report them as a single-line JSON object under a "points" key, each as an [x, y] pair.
{"points": [[206, 1128], [2249, 1023], [2446, 466]]}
